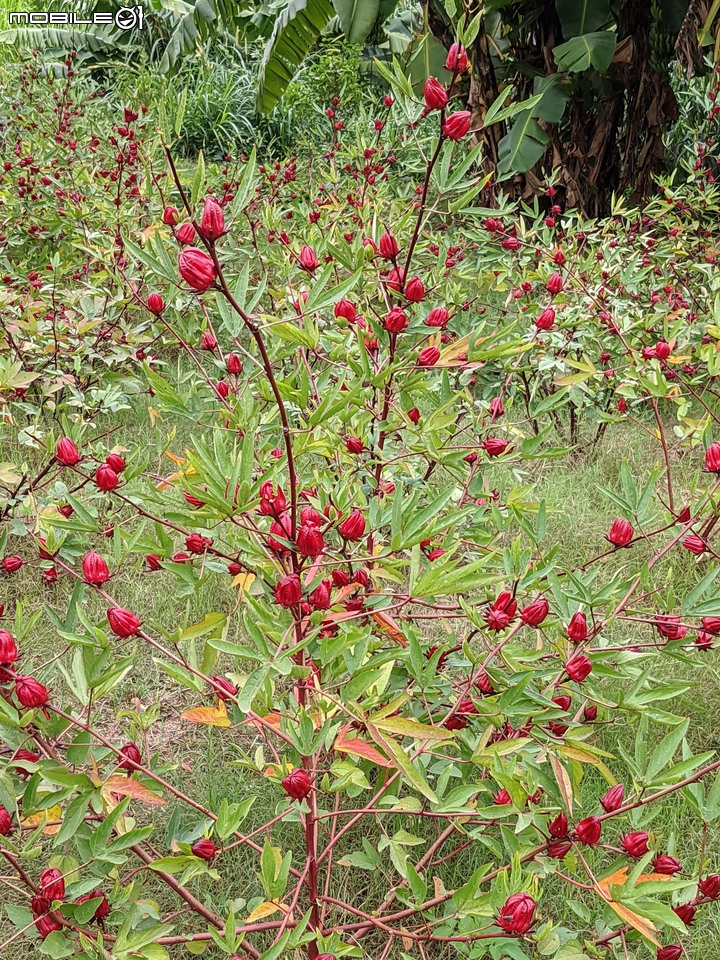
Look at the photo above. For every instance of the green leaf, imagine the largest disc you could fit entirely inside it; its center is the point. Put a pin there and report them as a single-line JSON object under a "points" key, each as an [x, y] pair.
{"points": [[295, 33], [590, 50], [498, 113], [521, 148], [582, 16], [357, 18]]}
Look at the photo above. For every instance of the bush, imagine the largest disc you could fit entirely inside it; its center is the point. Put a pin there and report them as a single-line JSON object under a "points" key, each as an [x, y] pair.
{"points": [[419, 723]]}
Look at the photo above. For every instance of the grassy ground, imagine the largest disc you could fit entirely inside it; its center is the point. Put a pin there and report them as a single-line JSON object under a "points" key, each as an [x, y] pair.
{"points": [[579, 515]]}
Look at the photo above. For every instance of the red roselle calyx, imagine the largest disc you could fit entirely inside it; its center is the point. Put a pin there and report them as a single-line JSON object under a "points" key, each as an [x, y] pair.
{"points": [[123, 623], [664, 863], [457, 125], [636, 844], [106, 479], [577, 628], [8, 648], [435, 94], [579, 668], [129, 757], [588, 831], [155, 304], [613, 799], [297, 784], [212, 222], [535, 612], [353, 526], [196, 268], [52, 884], [204, 849], [621, 533], [288, 591], [66, 452], [516, 914], [95, 570], [30, 692]]}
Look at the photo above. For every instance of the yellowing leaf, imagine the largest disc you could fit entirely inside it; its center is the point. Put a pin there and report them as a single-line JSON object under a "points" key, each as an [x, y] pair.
{"points": [[266, 909], [243, 581], [48, 816], [563, 781], [359, 748], [213, 716], [127, 787], [643, 926], [390, 628]]}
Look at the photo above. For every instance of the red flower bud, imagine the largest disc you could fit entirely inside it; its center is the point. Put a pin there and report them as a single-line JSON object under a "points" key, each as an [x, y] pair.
{"points": [[288, 591], [635, 844], [694, 544], [204, 849], [414, 290], [516, 915], [664, 863], [669, 953], [712, 458], [670, 627], [710, 886], [577, 628], [621, 533], [208, 341], [588, 831], [711, 625], [554, 284], [434, 94], [212, 222], [578, 668], [396, 321], [12, 564], [115, 462], [534, 613], [320, 597], [224, 688], [5, 822], [686, 912], [297, 784], [95, 570], [340, 578], [590, 713], [30, 692], [47, 924], [196, 543], [103, 908], [105, 478], [414, 415], [546, 320], [388, 246], [502, 798], [123, 623], [308, 259], [153, 561], [495, 446], [563, 701], [613, 799], [233, 364], [66, 452], [457, 59], [52, 884], [457, 125], [310, 542], [129, 757], [428, 357], [170, 216], [558, 849], [558, 828], [8, 648], [185, 234], [438, 317], [155, 304], [196, 268], [346, 310], [354, 445], [353, 527]]}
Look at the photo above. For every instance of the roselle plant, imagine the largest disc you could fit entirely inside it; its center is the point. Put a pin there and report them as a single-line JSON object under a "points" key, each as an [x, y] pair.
{"points": [[352, 389]]}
